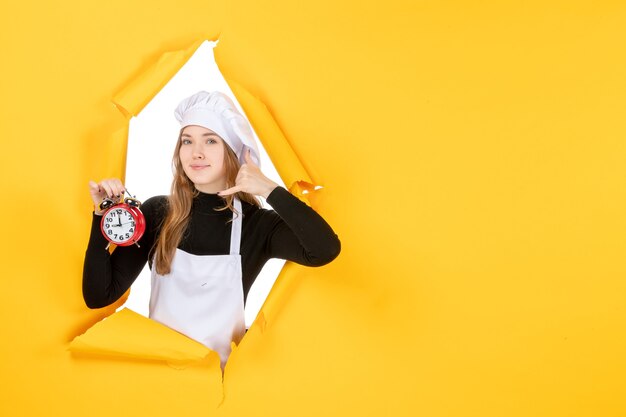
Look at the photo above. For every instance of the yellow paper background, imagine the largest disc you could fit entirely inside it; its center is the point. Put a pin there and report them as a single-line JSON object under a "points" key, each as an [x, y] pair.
{"points": [[472, 159]]}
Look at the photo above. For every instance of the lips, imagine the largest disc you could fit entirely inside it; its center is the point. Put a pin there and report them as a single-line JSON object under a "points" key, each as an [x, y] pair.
{"points": [[198, 167]]}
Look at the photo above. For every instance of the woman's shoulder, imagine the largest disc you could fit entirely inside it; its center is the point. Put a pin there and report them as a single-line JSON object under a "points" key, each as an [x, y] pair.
{"points": [[155, 207], [253, 214], [249, 209], [156, 200]]}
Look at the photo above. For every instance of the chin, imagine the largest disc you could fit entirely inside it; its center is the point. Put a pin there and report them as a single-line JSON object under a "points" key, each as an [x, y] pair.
{"points": [[208, 184]]}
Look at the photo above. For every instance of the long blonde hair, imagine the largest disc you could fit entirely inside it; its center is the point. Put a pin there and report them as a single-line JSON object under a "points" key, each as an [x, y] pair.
{"points": [[180, 202]]}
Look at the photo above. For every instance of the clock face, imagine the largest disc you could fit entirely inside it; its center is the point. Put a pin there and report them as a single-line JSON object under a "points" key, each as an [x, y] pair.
{"points": [[119, 225]]}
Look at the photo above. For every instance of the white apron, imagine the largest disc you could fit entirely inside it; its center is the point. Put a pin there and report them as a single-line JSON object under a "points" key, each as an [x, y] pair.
{"points": [[202, 296]]}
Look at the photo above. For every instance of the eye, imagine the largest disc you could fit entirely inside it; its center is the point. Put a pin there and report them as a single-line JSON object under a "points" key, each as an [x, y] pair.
{"points": [[211, 141], [186, 141]]}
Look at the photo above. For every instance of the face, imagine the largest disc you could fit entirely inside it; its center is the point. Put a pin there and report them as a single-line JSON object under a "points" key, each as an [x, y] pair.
{"points": [[202, 157]]}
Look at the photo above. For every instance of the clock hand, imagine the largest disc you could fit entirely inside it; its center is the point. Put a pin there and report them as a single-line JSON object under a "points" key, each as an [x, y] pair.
{"points": [[121, 224]]}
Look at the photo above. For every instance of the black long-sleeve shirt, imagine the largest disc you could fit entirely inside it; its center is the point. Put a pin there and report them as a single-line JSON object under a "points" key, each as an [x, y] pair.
{"points": [[292, 231]]}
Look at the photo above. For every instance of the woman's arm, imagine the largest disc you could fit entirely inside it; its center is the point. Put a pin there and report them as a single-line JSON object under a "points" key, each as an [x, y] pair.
{"points": [[106, 277], [299, 233]]}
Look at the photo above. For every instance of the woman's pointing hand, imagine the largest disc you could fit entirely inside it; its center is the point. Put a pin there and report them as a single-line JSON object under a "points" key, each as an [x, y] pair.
{"points": [[250, 180]]}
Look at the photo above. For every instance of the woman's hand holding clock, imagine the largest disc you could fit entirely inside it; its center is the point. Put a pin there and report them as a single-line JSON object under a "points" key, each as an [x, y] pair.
{"points": [[111, 188], [122, 222]]}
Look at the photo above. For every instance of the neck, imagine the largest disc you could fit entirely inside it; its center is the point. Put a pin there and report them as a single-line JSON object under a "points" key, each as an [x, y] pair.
{"points": [[207, 203], [208, 191], [210, 188]]}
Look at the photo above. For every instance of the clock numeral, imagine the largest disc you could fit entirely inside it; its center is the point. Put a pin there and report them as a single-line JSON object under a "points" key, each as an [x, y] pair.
{"points": [[132, 225], [107, 225], [110, 232], [127, 236], [119, 211], [115, 236], [109, 219], [131, 230]]}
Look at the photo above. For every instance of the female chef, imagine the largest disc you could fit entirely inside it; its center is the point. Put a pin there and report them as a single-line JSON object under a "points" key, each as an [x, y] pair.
{"points": [[208, 240]]}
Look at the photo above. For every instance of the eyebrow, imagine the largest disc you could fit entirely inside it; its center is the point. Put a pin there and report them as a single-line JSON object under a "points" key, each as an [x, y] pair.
{"points": [[187, 135]]}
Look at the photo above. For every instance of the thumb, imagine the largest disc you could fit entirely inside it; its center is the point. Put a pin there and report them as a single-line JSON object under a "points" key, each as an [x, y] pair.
{"points": [[94, 186], [248, 157]]}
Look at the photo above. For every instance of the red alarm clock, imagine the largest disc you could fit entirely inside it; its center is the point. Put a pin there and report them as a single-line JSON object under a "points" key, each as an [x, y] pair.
{"points": [[123, 223]]}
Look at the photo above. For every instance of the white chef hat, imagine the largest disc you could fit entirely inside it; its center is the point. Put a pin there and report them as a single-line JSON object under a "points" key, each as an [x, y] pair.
{"points": [[216, 111]]}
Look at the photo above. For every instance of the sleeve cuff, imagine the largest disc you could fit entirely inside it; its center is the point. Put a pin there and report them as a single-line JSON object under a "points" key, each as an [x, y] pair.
{"points": [[96, 239]]}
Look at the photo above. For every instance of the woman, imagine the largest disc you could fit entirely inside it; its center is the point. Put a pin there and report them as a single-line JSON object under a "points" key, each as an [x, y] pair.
{"points": [[207, 241]]}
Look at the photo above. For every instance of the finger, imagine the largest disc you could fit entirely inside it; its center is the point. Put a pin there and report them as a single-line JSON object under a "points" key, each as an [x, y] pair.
{"points": [[96, 192], [118, 187], [106, 186], [113, 187], [94, 188], [231, 190], [248, 157]]}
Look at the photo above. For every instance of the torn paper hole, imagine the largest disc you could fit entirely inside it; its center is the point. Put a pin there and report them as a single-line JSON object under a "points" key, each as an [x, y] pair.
{"points": [[135, 98], [152, 138], [126, 334]]}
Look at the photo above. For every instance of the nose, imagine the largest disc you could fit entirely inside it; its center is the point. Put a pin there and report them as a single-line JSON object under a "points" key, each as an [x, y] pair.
{"points": [[197, 152]]}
